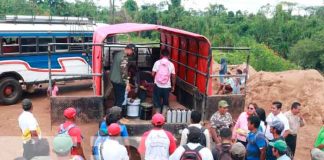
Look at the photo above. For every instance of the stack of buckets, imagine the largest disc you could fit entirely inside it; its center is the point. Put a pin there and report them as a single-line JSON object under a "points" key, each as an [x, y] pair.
{"points": [[178, 116]]}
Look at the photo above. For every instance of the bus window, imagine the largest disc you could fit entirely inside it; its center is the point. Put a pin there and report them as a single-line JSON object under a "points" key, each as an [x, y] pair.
{"points": [[60, 48], [76, 47], [28, 44], [87, 39], [10, 45], [43, 43]]}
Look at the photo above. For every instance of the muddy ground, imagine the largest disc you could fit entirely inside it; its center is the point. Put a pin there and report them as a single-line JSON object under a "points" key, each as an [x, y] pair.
{"points": [[11, 144]]}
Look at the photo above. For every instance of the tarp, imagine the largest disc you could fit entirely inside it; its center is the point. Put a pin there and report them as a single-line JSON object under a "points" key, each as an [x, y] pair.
{"points": [[171, 38]]}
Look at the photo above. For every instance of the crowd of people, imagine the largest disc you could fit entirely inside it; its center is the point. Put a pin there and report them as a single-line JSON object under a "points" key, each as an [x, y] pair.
{"points": [[253, 136]]}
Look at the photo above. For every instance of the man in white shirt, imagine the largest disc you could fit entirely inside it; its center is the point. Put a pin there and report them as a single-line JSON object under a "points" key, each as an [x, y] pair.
{"points": [[195, 122], [29, 128], [193, 146], [164, 79], [111, 149], [276, 114]]}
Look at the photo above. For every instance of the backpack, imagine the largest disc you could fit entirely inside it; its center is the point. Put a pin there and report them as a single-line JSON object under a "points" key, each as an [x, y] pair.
{"points": [[65, 131], [163, 73], [190, 154], [202, 136], [223, 152]]}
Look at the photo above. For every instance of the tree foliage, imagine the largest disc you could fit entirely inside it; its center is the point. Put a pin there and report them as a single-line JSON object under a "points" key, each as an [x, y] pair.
{"points": [[274, 34]]}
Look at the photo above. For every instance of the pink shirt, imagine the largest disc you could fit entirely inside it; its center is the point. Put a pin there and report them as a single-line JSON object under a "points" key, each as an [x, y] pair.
{"points": [[54, 91], [242, 123]]}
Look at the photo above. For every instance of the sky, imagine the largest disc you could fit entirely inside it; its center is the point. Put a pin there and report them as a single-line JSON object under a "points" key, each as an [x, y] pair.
{"points": [[251, 6]]}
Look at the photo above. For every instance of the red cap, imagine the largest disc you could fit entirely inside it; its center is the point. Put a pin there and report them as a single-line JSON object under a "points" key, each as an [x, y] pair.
{"points": [[70, 113], [158, 119], [113, 129]]}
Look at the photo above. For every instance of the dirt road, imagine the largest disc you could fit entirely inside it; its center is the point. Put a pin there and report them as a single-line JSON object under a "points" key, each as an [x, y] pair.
{"points": [[10, 140]]}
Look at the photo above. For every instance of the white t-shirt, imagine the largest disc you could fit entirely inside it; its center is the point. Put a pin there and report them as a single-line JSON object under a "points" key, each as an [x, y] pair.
{"points": [[157, 145], [185, 132], [27, 122], [272, 118], [112, 150], [156, 68], [205, 153]]}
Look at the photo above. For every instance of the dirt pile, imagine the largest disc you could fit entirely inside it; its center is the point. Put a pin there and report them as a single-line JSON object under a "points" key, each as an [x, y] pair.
{"points": [[304, 86]]}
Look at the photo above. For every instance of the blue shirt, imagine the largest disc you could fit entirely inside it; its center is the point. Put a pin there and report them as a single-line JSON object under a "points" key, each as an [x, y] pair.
{"points": [[123, 128], [256, 141], [96, 146]]}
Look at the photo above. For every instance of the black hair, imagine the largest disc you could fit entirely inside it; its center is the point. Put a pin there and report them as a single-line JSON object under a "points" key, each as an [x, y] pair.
{"points": [[225, 133], [261, 113], [130, 46], [195, 117], [27, 104], [239, 71], [277, 104], [111, 118], [295, 105], [194, 135], [255, 121], [165, 52]]}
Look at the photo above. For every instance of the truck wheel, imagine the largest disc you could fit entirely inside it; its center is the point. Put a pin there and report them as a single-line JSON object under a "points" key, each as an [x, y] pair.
{"points": [[10, 91]]}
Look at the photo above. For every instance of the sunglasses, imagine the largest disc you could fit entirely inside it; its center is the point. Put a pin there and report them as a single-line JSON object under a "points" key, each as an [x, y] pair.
{"points": [[250, 108]]}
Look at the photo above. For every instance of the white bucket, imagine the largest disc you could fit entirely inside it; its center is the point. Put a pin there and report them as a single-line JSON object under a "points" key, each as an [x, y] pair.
{"points": [[133, 108]]}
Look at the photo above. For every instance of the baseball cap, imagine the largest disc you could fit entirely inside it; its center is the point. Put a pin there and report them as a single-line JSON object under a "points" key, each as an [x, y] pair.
{"points": [[69, 112], [317, 154], [280, 145], [222, 103], [62, 143], [158, 119], [115, 110], [278, 125], [238, 150], [26, 102], [113, 129]]}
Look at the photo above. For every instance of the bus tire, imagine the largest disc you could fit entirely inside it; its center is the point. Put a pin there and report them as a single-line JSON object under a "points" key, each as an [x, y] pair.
{"points": [[10, 91]]}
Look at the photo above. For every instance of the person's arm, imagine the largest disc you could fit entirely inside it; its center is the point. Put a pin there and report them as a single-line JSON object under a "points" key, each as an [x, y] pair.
{"points": [[286, 129], [208, 141], [173, 82], [79, 150], [173, 145], [184, 137], [302, 121], [263, 153]]}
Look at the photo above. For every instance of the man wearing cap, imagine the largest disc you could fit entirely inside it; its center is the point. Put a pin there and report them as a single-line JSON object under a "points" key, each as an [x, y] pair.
{"points": [[221, 119], [238, 151], [295, 122], [74, 131], [62, 145], [119, 74], [276, 127], [29, 128], [279, 149], [157, 143], [111, 149], [192, 145], [317, 154]]}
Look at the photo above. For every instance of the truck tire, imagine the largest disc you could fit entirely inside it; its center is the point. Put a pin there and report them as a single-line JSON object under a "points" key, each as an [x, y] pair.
{"points": [[10, 91]]}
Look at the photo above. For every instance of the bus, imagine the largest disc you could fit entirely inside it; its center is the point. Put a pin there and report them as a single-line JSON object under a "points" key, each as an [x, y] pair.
{"points": [[24, 52]]}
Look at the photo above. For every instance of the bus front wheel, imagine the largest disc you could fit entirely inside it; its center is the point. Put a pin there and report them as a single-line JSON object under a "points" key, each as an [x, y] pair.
{"points": [[10, 91]]}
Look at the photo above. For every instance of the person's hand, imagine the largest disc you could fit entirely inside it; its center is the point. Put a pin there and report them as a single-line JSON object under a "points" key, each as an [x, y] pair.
{"points": [[128, 88], [172, 89]]}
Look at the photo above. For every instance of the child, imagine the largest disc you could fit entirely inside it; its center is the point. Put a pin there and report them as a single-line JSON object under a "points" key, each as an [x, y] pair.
{"points": [[54, 90]]}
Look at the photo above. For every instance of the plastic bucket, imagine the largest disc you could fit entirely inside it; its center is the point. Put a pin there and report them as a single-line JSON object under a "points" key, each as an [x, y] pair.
{"points": [[133, 108], [146, 111]]}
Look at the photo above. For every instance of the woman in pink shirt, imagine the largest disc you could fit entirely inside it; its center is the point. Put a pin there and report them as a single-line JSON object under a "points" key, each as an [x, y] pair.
{"points": [[240, 129], [54, 90]]}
